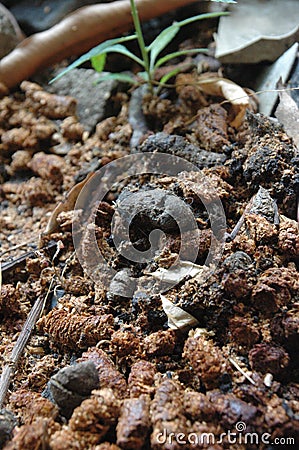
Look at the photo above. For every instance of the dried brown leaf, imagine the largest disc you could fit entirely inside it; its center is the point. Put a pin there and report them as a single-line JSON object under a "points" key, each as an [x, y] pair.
{"points": [[232, 92], [67, 204]]}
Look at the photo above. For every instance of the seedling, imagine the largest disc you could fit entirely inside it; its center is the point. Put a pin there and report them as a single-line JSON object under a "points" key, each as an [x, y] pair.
{"points": [[149, 60]]}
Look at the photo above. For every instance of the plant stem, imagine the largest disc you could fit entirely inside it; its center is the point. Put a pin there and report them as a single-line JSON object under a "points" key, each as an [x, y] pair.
{"points": [[141, 43]]}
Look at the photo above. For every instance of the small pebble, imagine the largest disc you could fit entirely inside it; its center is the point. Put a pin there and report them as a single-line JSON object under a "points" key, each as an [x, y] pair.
{"points": [[7, 423], [73, 384], [268, 380]]}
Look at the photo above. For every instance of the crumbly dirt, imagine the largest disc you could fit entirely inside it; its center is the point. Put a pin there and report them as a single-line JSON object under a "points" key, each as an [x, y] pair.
{"points": [[238, 365]]}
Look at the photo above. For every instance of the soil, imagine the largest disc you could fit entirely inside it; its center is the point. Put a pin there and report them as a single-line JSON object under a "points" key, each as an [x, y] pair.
{"points": [[105, 368]]}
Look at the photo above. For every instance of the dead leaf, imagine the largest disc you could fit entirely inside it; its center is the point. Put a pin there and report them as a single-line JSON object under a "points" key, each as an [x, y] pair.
{"points": [[177, 272], [177, 317], [67, 204], [257, 30], [232, 92], [266, 81], [288, 115]]}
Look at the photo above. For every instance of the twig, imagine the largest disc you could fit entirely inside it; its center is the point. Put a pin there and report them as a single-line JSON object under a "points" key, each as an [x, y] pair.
{"points": [[231, 236], [15, 247], [22, 340], [276, 219], [10, 367], [236, 365], [10, 265]]}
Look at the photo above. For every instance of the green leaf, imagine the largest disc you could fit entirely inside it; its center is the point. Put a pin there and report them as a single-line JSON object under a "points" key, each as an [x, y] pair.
{"points": [[201, 17], [93, 52], [161, 41], [179, 53], [167, 76], [166, 36], [143, 76], [98, 62], [124, 51], [118, 77]]}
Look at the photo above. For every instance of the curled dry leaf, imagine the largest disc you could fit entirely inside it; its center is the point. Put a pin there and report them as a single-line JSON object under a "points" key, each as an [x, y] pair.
{"points": [[232, 92], [67, 204], [177, 272], [75, 34], [177, 317]]}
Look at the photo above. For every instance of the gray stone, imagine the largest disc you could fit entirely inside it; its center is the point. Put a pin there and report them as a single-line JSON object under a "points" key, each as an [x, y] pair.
{"points": [[7, 423], [237, 261], [93, 99], [73, 384], [10, 33]]}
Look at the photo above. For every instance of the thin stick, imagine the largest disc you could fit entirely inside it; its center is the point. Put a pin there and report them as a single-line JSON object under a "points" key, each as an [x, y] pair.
{"points": [[15, 247], [231, 236], [9, 265], [236, 365], [10, 367], [19, 346]]}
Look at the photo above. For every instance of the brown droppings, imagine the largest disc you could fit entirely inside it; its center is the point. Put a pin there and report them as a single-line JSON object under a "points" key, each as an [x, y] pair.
{"points": [[142, 378], [167, 414], [267, 358], [30, 405], [275, 288], [134, 423], [206, 359], [244, 331], [160, 343], [211, 128], [72, 129], [47, 167], [97, 413], [50, 105], [67, 330]]}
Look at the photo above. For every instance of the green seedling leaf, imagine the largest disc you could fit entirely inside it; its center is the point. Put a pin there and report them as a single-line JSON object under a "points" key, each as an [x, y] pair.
{"points": [[201, 17], [98, 62], [124, 51], [161, 41], [166, 36], [166, 58], [143, 76], [99, 49], [122, 77], [167, 77]]}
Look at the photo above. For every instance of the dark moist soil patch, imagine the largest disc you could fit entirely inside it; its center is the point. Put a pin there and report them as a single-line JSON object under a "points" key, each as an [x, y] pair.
{"points": [[103, 370]]}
